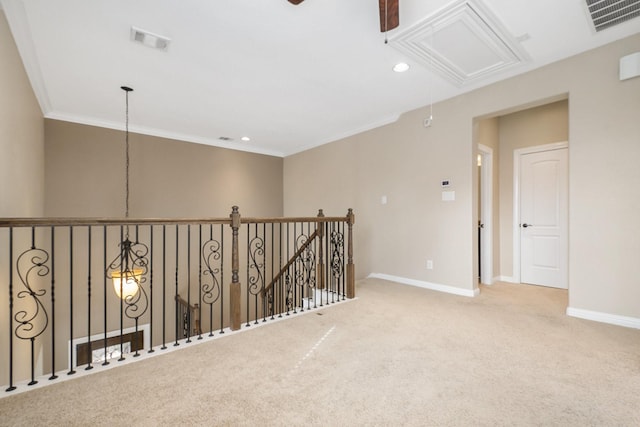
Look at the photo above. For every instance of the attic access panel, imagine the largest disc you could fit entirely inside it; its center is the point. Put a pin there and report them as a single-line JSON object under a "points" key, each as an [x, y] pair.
{"points": [[464, 42]]}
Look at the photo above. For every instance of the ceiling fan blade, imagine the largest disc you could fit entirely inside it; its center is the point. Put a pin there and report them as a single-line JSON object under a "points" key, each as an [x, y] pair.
{"points": [[296, 1], [389, 14]]}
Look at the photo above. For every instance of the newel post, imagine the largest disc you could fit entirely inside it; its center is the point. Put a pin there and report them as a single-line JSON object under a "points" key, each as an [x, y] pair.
{"points": [[320, 269], [351, 269], [235, 303]]}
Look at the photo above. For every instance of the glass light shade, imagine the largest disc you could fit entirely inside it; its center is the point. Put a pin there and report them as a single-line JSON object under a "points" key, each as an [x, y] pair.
{"points": [[127, 281]]}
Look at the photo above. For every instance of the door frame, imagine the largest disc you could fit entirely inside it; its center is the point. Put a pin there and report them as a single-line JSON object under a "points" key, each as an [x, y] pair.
{"points": [[486, 213], [517, 157]]}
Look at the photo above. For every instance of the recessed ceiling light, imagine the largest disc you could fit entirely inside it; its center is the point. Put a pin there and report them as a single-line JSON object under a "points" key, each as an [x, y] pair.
{"points": [[401, 67], [245, 139]]}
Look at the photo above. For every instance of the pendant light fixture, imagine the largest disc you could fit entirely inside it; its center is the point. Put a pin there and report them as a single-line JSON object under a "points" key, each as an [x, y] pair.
{"points": [[128, 269]]}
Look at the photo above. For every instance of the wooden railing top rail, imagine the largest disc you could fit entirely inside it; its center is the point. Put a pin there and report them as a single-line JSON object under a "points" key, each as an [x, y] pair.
{"points": [[44, 222], [294, 219], [58, 221]]}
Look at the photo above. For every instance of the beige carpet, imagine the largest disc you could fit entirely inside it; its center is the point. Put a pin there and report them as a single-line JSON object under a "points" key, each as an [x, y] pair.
{"points": [[396, 356]]}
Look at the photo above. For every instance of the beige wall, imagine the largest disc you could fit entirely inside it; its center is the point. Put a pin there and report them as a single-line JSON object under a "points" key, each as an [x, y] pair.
{"points": [[407, 162], [21, 135], [21, 167], [541, 125], [85, 169]]}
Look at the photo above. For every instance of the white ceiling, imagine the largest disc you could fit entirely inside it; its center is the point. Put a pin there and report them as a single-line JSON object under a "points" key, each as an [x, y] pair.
{"points": [[290, 77]]}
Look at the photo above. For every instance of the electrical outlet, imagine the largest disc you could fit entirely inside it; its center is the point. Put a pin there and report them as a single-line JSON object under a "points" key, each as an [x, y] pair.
{"points": [[429, 264]]}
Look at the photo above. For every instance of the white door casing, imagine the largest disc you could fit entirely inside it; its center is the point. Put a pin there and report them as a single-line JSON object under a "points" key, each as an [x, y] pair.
{"points": [[541, 215], [486, 214]]}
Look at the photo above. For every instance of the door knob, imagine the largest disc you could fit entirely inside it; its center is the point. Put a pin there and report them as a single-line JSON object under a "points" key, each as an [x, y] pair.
{"points": [[526, 225]]}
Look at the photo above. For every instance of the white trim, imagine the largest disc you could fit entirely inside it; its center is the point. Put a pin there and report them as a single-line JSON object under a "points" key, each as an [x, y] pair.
{"points": [[486, 205], [612, 319], [508, 279], [89, 121], [214, 142], [427, 285], [517, 154]]}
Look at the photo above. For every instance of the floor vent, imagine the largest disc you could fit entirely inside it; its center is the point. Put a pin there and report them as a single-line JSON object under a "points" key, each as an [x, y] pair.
{"points": [[607, 13]]}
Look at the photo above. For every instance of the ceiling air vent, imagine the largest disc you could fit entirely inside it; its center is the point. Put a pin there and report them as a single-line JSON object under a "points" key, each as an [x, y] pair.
{"points": [[607, 13], [150, 39]]}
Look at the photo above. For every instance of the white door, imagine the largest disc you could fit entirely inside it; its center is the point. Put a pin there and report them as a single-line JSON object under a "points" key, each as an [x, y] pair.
{"points": [[544, 218]]}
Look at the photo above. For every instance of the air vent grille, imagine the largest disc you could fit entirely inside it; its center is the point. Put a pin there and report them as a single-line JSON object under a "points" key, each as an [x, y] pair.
{"points": [[150, 39], [607, 13]]}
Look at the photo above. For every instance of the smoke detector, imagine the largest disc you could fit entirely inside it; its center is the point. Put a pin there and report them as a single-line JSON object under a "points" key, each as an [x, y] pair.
{"points": [[150, 39]]}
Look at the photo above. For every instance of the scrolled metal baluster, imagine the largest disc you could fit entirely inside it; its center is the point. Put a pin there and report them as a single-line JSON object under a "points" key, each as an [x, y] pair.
{"points": [[337, 257], [256, 254], [256, 280], [32, 322], [288, 292], [305, 271], [300, 268], [337, 261], [270, 302], [212, 258]]}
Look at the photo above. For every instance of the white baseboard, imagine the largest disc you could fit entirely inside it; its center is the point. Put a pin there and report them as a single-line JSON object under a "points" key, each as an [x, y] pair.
{"points": [[508, 279], [613, 319], [427, 285]]}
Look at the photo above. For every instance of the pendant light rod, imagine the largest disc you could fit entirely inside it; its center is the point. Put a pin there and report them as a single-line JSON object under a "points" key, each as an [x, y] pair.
{"points": [[126, 90], [386, 25]]}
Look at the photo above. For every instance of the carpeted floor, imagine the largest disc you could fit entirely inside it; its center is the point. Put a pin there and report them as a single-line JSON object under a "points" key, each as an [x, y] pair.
{"points": [[396, 356]]}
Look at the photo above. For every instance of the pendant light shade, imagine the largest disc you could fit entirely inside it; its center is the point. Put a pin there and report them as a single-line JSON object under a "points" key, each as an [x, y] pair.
{"points": [[126, 283]]}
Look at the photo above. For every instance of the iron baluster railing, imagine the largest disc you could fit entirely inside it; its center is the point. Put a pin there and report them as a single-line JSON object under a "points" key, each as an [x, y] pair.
{"points": [[11, 386], [200, 281], [176, 296], [89, 229], [292, 264], [164, 287], [189, 283], [53, 306], [151, 350], [71, 370], [105, 362], [28, 327], [212, 276]]}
